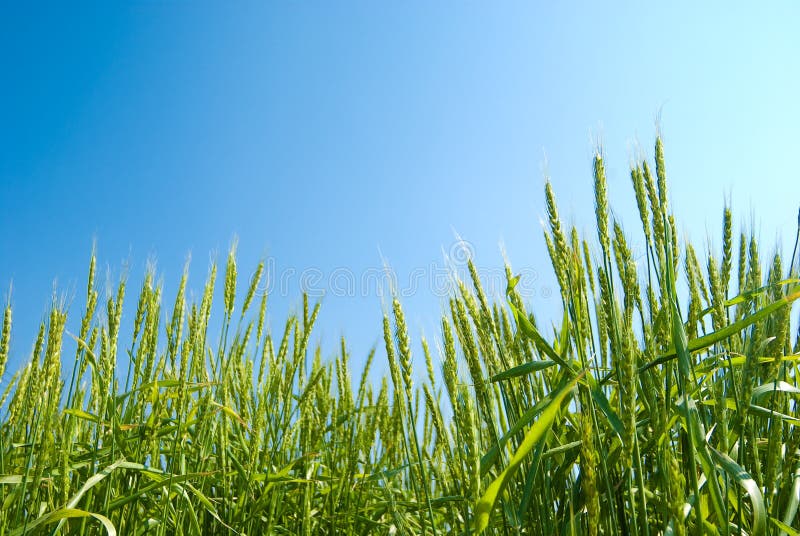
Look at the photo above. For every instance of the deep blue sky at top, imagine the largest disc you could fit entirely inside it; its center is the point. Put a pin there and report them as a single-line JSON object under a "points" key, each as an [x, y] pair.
{"points": [[329, 135]]}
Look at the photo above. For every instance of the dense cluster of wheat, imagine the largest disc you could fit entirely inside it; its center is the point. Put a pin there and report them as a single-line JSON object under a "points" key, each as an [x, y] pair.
{"points": [[664, 402]]}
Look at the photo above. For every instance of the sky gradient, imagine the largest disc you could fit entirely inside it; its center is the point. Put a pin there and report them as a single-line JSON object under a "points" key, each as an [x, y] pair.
{"points": [[332, 137]]}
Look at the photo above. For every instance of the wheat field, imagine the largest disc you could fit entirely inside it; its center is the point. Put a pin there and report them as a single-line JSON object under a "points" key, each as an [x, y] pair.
{"points": [[664, 402]]}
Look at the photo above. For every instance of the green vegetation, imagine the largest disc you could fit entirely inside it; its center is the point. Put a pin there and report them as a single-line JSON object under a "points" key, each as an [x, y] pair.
{"points": [[648, 410]]}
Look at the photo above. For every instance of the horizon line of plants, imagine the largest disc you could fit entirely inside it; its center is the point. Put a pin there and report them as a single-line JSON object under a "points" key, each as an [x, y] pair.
{"points": [[665, 402]]}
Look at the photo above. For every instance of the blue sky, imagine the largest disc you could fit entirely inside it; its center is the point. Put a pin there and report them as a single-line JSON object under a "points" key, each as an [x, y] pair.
{"points": [[328, 136]]}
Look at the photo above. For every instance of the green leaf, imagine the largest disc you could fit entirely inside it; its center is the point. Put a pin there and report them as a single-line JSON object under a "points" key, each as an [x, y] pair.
{"points": [[164, 384], [488, 459], [65, 513], [743, 478], [784, 527], [746, 296], [92, 481], [602, 402], [522, 370], [529, 331], [772, 387], [701, 343], [82, 414], [537, 432]]}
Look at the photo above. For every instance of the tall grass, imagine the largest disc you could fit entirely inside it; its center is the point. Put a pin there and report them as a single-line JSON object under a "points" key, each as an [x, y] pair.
{"points": [[665, 402]]}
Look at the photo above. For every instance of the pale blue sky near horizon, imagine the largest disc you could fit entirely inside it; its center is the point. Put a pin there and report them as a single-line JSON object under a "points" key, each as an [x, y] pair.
{"points": [[331, 136]]}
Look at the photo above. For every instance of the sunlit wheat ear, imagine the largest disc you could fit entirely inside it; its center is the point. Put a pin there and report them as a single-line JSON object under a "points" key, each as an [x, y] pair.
{"points": [[675, 482], [471, 351], [587, 258], [727, 249], [470, 428], [589, 460], [742, 272], [629, 366], [255, 282], [601, 204], [5, 338], [718, 312], [627, 272], [556, 228], [753, 282], [450, 365], [676, 246], [394, 369], [428, 362], [695, 305], [14, 406], [6, 392], [208, 294], [175, 327], [655, 208], [442, 437], [779, 327], [364, 385], [720, 415], [403, 346], [141, 304], [558, 267], [602, 325], [555, 241], [262, 316], [698, 271], [230, 281], [637, 178], [661, 172]]}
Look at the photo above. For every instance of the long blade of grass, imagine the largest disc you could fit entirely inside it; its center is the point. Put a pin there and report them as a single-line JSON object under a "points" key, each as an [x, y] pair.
{"points": [[758, 526], [62, 514], [483, 508]]}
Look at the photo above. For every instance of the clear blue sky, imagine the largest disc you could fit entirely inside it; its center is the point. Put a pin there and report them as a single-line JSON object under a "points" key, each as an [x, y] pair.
{"points": [[326, 135]]}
